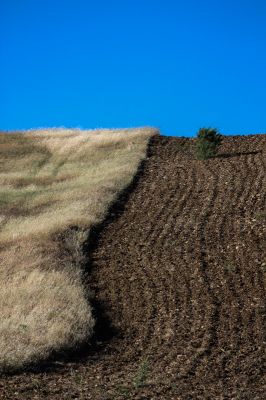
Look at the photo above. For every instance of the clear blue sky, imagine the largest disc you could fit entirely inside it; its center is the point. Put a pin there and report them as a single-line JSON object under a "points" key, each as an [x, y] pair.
{"points": [[176, 65]]}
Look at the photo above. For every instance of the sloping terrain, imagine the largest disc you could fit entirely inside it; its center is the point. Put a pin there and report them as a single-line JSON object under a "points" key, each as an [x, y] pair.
{"points": [[178, 279], [55, 186]]}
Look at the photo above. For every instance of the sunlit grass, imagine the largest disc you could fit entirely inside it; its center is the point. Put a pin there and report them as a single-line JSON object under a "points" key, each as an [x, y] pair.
{"points": [[52, 180]]}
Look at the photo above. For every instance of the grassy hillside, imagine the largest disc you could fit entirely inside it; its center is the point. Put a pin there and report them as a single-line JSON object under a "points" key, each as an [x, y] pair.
{"points": [[52, 180]]}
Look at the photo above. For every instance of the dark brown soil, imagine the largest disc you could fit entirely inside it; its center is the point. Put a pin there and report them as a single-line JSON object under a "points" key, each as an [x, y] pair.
{"points": [[178, 277]]}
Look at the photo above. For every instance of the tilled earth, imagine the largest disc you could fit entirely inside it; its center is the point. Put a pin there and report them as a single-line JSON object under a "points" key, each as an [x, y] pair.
{"points": [[178, 277]]}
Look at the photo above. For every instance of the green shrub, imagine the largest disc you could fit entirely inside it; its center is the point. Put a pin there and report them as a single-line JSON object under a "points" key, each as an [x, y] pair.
{"points": [[142, 374], [208, 141]]}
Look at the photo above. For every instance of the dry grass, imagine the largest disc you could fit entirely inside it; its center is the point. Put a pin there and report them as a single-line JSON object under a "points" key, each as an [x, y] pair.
{"points": [[51, 180]]}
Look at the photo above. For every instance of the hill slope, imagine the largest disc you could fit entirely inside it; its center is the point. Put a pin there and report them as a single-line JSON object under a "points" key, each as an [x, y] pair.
{"points": [[179, 271]]}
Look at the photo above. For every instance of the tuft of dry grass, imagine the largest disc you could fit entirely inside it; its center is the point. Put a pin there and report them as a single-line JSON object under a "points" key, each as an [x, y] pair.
{"points": [[52, 180]]}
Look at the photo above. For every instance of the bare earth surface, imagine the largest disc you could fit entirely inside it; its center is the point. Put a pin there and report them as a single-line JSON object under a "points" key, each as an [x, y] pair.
{"points": [[180, 273]]}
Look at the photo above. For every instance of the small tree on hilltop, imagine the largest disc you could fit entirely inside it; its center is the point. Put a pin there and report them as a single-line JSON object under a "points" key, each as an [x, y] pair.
{"points": [[208, 141]]}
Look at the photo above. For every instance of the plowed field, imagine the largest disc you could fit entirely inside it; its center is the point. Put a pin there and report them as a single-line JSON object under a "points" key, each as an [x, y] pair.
{"points": [[178, 279]]}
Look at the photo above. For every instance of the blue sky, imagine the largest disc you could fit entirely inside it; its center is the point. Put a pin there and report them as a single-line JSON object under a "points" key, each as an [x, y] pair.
{"points": [[176, 65]]}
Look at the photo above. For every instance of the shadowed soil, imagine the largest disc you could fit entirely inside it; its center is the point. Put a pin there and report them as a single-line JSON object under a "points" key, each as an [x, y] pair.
{"points": [[178, 279]]}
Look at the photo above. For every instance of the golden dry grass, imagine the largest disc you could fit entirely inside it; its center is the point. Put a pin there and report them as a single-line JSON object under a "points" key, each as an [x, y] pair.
{"points": [[51, 180]]}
